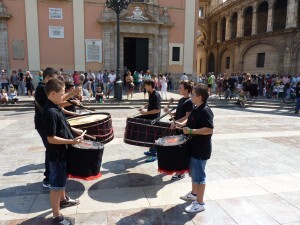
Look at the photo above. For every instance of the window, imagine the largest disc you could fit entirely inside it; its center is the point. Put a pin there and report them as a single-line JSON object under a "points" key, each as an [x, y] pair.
{"points": [[260, 61], [227, 63], [200, 12], [175, 54]]}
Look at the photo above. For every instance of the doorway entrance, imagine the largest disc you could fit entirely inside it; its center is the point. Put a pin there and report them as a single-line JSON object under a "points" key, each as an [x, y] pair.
{"points": [[136, 51]]}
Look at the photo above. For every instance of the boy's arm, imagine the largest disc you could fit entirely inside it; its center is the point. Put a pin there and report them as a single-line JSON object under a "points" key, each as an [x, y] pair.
{"points": [[55, 140]]}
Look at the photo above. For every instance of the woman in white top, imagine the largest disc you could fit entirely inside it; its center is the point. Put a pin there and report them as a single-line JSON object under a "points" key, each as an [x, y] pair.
{"points": [[87, 89], [164, 86]]}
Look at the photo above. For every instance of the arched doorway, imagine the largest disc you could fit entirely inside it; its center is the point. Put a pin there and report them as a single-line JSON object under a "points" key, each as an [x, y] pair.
{"points": [[262, 17], [248, 21], [211, 63], [280, 12]]}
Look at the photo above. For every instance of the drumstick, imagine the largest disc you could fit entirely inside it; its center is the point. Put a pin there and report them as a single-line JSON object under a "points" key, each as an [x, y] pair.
{"points": [[83, 133], [80, 105], [90, 136], [140, 109]]}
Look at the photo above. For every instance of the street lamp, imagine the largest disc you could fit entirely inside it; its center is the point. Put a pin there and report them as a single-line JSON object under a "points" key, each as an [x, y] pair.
{"points": [[118, 6]]}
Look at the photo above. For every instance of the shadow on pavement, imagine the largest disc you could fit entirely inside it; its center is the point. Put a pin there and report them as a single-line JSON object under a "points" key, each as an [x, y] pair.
{"points": [[122, 165], [26, 170], [151, 216], [17, 199], [124, 181]]}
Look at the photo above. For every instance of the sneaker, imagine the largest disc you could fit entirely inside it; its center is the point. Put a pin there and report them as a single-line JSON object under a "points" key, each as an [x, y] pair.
{"points": [[68, 202], [60, 220], [189, 197], [195, 207], [46, 184], [149, 153], [177, 176], [151, 159]]}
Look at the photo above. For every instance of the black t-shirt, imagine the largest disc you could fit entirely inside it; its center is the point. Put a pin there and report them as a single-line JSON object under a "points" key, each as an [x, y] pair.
{"points": [[184, 105], [200, 145], [41, 98], [70, 108], [153, 103], [297, 92], [55, 124]]}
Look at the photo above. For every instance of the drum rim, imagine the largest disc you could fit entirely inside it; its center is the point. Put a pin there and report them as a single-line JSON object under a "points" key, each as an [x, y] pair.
{"points": [[90, 123], [158, 122], [177, 144], [150, 125]]}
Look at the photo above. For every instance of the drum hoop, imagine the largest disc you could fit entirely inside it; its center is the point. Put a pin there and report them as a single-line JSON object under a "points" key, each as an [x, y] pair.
{"points": [[88, 125], [149, 125], [111, 136], [107, 119], [159, 122]]}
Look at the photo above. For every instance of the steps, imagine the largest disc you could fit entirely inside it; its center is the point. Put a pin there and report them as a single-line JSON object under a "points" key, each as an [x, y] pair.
{"points": [[28, 105]]}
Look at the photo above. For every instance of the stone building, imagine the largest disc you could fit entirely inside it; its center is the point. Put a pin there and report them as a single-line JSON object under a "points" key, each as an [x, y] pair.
{"points": [[255, 36], [159, 35]]}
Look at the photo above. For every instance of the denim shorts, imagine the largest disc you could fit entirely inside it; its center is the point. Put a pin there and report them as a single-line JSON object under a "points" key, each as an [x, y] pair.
{"points": [[197, 170], [58, 175]]}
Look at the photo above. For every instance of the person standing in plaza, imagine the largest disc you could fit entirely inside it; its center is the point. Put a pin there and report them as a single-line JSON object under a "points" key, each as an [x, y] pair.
{"points": [[91, 77], [29, 84], [147, 76], [164, 86], [111, 82], [14, 79], [129, 85], [153, 112], [99, 79], [105, 81], [199, 127], [184, 77], [4, 80], [59, 136], [21, 79]]}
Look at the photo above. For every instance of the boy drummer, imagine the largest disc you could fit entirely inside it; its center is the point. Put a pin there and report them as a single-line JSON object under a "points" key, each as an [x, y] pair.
{"points": [[152, 112], [59, 137]]}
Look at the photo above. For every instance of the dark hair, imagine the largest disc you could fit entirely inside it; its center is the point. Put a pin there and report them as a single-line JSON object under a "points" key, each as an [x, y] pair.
{"points": [[49, 72], [201, 90], [54, 85], [149, 82], [69, 85], [187, 85]]}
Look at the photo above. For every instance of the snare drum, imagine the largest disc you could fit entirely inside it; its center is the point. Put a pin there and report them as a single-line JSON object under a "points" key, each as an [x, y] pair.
{"points": [[141, 132], [84, 160], [172, 154], [96, 124]]}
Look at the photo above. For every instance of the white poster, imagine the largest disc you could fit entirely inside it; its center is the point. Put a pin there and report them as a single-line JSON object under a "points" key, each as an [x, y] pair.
{"points": [[56, 32], [55, 13], [93, 50]]}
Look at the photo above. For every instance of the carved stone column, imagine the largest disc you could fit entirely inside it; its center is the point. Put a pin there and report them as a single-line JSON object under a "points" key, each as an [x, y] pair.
{"points": [[270, 17], [219, 31], [228, 31], [254, 22], [292, 14], [4, 55], [240, 24]]}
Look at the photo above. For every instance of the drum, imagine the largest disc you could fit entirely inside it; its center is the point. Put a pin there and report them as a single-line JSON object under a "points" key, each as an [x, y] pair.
{"points": [[172, 154], [96, 124], [84, 160], [140, 132]]}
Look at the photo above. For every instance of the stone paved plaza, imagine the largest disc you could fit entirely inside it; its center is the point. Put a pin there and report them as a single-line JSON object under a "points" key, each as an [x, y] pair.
{"points": [[253, 176]]}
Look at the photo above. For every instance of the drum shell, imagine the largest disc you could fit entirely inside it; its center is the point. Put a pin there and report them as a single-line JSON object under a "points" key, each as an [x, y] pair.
{"points": [[173, 159], [141, 132], [102, 129], [84, 162]]}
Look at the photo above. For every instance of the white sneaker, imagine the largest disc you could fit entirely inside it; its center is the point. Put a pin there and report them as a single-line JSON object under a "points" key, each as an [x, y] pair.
{"points": [[189, 197], [194, 207]]}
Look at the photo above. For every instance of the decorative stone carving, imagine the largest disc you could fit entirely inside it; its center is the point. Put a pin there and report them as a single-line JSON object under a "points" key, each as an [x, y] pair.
{"points": [[137, 14]]}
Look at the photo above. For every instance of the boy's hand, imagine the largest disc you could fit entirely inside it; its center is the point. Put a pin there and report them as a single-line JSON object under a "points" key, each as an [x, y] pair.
{"points": [[77, 140]]}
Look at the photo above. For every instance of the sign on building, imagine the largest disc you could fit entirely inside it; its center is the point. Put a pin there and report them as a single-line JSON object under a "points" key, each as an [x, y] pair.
{"points": [[93, 50], [18, 49], [55, 13], [56, 32]]}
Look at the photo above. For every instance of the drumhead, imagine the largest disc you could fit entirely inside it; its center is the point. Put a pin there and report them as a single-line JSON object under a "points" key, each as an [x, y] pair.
{"points": [[171, 140], [86, 119], [89, 145]]}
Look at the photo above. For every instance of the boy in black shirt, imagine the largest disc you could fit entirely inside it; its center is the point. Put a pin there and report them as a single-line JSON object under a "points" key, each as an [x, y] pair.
{"points": [[59, 137], [200, 128], [152, 112]]}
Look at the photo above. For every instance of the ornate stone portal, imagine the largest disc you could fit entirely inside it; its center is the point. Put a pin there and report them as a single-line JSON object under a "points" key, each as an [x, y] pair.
{"points": [[4, 59], [141, 20]]}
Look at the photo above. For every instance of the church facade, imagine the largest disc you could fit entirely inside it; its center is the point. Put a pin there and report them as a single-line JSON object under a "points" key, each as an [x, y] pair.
{"points": [[251, 36], [159, 35]]}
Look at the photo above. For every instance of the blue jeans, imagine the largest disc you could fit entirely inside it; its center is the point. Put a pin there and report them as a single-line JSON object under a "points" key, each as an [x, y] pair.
{"points": [[297, 104], [58, 175], [197, 168]]}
